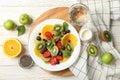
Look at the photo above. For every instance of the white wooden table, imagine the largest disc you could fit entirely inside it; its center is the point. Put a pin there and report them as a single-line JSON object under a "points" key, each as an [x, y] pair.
{"points": [[11, 9]]}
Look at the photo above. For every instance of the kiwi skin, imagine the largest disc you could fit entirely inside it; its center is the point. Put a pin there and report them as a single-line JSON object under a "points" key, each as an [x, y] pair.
{"points": [[95, 49], [103, 38]]}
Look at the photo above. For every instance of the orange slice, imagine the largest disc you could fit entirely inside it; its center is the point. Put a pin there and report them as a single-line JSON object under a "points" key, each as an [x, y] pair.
{"points": [[12, 47], [47, 28], [37, 52], [69, 38], [64, 60]]}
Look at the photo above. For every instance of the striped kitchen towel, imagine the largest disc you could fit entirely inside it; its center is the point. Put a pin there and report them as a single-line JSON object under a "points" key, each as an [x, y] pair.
{"points": [[91, 68]]}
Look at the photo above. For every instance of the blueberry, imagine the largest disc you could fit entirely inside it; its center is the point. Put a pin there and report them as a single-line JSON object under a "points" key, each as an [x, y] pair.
{"points": [[45, 49], [63, 47], [39, 33], [60, 53], [38, 38], [45, 40], [58, 62], [68, 31]]}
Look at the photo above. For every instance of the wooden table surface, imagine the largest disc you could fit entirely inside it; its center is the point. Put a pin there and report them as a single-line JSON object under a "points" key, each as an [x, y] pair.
{"points": [[11, 9]]}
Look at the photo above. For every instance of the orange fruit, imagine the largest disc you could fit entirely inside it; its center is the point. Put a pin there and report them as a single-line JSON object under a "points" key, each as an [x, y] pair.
{"points": [[12, 47], [47, 28], [69, 38], [37, 52], [64, 59]]}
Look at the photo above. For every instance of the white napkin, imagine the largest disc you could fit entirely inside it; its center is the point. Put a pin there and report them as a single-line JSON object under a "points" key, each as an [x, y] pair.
{"points": [[90, 68]]}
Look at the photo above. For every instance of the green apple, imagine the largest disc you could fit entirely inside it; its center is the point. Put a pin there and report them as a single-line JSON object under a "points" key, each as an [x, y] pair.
{"points": [[9, 25], [24, 19], [107, 58]]}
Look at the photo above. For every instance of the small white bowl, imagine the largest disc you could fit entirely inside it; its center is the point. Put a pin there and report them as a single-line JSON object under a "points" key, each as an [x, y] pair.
{"points": [[86, 34]]}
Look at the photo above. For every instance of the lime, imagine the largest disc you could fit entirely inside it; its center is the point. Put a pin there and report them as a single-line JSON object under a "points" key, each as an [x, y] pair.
{"points": [[24, 19], [9, 25]]}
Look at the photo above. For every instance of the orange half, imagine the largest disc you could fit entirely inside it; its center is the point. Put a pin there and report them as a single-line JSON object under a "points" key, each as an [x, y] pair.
{"points": [[47, 28], [12, 47], [69, 38]]}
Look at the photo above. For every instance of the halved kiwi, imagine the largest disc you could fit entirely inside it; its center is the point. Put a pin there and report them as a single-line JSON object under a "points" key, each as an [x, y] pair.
{"points": [[92, 50], [68, 47], [54, 51], [105, 36], [41, 45], [58, 27]]}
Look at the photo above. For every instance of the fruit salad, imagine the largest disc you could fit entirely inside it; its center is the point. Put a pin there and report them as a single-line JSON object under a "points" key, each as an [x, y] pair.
{"points": [[54, 44]]}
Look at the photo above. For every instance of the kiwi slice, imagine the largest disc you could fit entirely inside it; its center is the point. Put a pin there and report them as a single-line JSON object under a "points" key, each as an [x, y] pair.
{"points": [[58, 27], [41, 45], [105, 36], [54, 51], [92, 50], [68, 46]]}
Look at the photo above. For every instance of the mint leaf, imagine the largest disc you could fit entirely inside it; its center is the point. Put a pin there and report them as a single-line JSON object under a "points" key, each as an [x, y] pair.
{"points": [[21, 30], [66, 53], [65, 26]]}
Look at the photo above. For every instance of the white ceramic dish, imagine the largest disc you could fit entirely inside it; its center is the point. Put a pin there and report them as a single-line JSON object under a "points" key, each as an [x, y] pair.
{"points": [[39, 61]]}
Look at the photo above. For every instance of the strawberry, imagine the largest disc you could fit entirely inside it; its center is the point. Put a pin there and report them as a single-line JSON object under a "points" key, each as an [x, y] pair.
{"points": [[49, 35], [46, 54], [59, 57], [59, 45], [53, 61]]}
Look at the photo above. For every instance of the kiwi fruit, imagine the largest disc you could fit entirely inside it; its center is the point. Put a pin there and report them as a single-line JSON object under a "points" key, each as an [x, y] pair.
{"points": [[92, 50], [58, 27], [54, 51], [68, 47], [105, 36], [41, 45], [67, 51]]}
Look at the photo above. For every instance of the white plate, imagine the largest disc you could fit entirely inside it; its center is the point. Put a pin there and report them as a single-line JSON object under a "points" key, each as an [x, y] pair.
{"points": [[38, 60]]}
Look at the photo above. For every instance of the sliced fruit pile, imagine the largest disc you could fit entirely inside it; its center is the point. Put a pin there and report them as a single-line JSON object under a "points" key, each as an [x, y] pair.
{"points": [[55, 43]]}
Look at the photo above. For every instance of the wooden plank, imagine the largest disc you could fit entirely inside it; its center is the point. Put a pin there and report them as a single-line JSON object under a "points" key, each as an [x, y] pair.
{"points": [[35, 73], [34, 3]]}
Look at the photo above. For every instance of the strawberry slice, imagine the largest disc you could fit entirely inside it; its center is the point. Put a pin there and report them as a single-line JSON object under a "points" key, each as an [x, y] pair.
{"points": [[59, 57], [53, 61], [49, 35], [46, 54], [59, 45], [56, 40]]}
